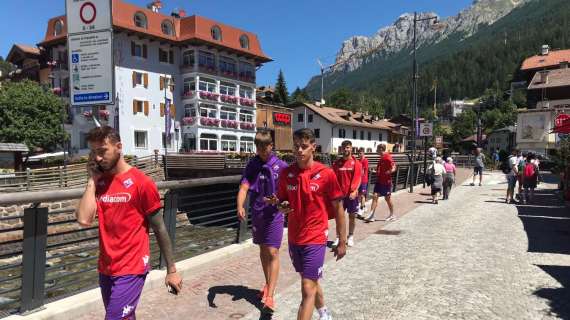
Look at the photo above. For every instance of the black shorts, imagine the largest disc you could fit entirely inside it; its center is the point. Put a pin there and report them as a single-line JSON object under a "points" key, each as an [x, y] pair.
{"points": [[478, 171]]}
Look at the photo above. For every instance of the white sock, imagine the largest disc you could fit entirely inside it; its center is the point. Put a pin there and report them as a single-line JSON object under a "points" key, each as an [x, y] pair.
{"points": [[322, 311]]}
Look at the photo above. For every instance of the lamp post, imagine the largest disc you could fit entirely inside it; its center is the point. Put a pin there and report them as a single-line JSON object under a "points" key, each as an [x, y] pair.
{"points": [[414, 94], [52, 64], [168, 84]]}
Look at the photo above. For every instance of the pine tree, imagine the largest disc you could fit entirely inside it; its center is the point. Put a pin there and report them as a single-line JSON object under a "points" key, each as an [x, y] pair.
{"points": [[300, 95], [281, 93]]}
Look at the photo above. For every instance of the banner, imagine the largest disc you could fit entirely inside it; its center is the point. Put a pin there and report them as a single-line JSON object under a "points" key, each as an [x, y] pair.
{"points": [[167, 119]]}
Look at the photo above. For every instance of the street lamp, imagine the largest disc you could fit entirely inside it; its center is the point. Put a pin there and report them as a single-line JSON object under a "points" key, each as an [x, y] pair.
{"points": [[52, 64], [414, 93]]}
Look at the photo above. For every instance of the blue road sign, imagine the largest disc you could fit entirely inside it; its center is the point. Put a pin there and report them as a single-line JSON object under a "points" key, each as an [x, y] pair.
{"points": [[91, 97], [75, 57]]}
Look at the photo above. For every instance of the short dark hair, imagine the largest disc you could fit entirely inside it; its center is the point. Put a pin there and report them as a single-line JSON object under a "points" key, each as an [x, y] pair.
{"points": [[99, 134], [346, 143], [305, 133], [361, 150], [381, 146], [263, 138]]}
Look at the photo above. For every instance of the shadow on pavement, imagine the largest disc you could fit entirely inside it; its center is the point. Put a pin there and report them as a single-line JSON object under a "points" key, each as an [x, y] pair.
{"points": [[238, 293], [558, 297]]}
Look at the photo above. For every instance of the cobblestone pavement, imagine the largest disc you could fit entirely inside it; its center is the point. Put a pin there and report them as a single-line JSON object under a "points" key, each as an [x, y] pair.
{"points": [[466, 258]]}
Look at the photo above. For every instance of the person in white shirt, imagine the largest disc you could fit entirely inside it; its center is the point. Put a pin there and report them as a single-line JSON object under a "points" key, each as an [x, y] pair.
{"points": [[512, 176], [438, 170]]}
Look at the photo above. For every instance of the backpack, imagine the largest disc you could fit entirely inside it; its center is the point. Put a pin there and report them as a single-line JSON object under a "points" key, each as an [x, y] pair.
{"points": [[529, 171], [505, 165], [429, 175]]}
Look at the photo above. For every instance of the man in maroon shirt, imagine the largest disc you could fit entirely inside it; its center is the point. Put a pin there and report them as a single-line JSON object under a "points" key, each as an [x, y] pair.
{"points": [[386, 166]]}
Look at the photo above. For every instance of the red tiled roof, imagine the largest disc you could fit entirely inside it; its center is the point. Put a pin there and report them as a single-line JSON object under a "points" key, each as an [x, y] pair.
{"points": [[554, 78], [553, 58], [193, 28], [28, 49]]}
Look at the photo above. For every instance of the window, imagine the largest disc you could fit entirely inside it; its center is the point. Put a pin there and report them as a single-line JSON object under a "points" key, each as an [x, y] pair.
{"points": [[166, 56], [361, 135], [138, 106], [141, 139], [341, 133], [208, 110], [300, 117], [208, 142], [228, 66], [189, 110], [167, 27], [207, 85], [216, 33], [246, 71], [228, 113], [229, 143], [138, 78], [58, 28], [138, 49], [188, 58], [189, 85], [369, 136], [380, 137], [317, 133], [310, 118], [244, 41], [206, 59], [246, 92], [246, 116], [227, 89], [165, 143], [83, 140], [353, 133], [140, 20], [246, 144]]}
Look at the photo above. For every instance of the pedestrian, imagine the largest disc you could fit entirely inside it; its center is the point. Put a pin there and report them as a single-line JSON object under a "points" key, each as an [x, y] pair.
{"points": [[126, 202], [348, 172], [479, 165], [363, 191], [496, 159], [448, 177], [520, 166], [260, 180], [530, 178], [310, 191], [512, 175], [383, 187], [437, 170]]}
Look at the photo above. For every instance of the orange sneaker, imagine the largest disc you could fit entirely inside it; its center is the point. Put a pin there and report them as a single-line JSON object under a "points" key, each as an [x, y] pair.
{"points": [[262, 293], [269, 304]]}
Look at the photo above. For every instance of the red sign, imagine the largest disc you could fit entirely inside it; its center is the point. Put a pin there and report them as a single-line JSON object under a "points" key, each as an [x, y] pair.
{"points": [[561, 120], [282, 118]]}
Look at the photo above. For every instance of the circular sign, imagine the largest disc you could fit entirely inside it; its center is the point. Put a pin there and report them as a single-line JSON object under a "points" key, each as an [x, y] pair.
{"points": [[88, 12], [561, 118]]}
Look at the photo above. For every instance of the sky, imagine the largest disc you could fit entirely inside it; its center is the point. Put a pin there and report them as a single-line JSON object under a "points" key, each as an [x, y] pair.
{"points": [[294, 33]]}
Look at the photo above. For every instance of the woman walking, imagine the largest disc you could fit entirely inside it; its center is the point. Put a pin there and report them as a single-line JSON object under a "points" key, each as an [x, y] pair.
{"points": [[437, 170], [448, 177]]}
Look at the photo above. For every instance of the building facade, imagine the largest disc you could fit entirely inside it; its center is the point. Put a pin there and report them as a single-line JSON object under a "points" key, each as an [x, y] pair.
{"points": [[205, 68], [332, 126]]}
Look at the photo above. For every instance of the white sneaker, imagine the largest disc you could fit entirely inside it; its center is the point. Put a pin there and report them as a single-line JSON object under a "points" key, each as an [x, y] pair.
{"points": [[350, 241], [335, 243], [360, 213], [326, 316], [370, 218], [391, 218]]}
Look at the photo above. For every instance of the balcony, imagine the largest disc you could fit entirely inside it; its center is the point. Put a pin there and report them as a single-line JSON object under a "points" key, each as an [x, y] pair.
{"points": [[209, 96], [247, 77], [247, 126], [208, 69], [246, 102], [230, 124], [188, 94], [210, 122], [188, 121], [229, 74], [229, 99]]}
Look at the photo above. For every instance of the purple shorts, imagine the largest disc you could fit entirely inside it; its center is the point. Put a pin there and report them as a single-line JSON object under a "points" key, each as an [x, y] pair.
{"points": [[383, 189], [121, 295], [351, 205], [363, 188], [308, 260], [267, 227]]}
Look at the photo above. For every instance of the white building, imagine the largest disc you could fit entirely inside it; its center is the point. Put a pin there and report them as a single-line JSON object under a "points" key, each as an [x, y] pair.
{"points": [[332, 126], [212, 66]]}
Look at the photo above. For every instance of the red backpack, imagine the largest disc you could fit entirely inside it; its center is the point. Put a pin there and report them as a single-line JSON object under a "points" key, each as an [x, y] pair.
{"points": [[529, 171]]}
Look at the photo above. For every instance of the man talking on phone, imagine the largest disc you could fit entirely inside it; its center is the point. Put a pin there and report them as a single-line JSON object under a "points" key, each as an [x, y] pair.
{"points": [[126, 202]]}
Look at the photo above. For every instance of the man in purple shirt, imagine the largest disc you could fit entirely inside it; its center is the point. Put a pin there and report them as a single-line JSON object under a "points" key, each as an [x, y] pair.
{"points": [[260, 180]]}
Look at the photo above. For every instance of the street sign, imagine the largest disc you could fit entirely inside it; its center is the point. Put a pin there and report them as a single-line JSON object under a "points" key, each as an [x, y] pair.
{"points": [[91, 69], [439, 142], [426, 129], [88, 15]]}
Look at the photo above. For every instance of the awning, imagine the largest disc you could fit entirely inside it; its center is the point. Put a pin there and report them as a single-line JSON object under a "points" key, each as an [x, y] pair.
{"points": [[565, 128]]}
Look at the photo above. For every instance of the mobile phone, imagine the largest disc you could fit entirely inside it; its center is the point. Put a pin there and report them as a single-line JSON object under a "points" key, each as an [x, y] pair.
{"points": [[172, 290], [94, 166]]}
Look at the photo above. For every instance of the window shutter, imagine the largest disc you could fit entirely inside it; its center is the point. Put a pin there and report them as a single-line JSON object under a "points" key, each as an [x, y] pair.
{"points": [[134, 79], [161, 83], [173, 111], [146, 80], [134, 106], [144, 51], [146, 108], [162, 109], [132, 48], [171, 57]]}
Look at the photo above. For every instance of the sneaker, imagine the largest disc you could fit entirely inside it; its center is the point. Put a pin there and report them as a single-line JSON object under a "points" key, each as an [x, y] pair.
{"points": [[335, 243], [269, 305], [471, 184], [326, 316], [350, 241], [370, 218], [391, 218], [360, 213]]}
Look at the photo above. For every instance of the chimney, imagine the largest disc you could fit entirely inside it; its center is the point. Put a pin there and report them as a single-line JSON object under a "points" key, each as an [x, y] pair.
{"points": [[545, 50], [178, 13], [155, 6]]}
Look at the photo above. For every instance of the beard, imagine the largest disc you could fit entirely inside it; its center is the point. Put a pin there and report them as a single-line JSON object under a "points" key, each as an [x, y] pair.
{"points": [[108, 166]]}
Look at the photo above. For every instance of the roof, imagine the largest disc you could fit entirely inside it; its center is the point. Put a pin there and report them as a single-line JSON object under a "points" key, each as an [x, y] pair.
{"points": [[13, 147], [554, 78], [24, 49], [187, 29], [349, 118], [551, 59]]}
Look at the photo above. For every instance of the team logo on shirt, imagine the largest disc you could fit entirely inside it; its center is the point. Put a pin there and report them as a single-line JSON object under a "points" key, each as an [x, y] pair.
{"points": [[145, 260], [292, 187], [128, 183], [121, 197], [317, 176], [314, 186], [127, 310]]}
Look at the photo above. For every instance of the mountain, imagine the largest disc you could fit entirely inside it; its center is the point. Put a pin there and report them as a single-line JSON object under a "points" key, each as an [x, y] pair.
{"points": [[480, 48]]}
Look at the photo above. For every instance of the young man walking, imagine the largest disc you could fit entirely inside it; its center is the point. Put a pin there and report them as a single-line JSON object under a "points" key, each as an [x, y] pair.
{"points": [[126, 202], [479, 165], [348, 172], [383, 187], [363, 191], [512, 176], [312, 194], [260, 179]]}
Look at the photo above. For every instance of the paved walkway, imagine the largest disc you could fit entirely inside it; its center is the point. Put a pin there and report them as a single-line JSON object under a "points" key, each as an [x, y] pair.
{"points": [[472, 257]]}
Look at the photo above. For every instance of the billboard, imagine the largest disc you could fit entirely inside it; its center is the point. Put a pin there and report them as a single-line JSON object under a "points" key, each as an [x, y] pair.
{"points": [[533, 126]]}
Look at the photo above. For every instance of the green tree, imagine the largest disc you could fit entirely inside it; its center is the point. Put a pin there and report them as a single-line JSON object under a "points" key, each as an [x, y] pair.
{"points": [[281, 93], [300, 95], [342, 98], [463, 126], [5, 67], [31, 115]]}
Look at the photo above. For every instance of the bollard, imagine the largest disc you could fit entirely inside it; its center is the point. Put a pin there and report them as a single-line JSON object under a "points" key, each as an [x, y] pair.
{"points": [[34, 258], [169, 216]]}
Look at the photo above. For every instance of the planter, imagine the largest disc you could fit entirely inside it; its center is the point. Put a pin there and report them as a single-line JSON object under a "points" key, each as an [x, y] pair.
{"points": [[188, 121], [229, 99], [210, 122], [209, 95], [247, 126], [188, 94], [246, 102], [229, 124]]}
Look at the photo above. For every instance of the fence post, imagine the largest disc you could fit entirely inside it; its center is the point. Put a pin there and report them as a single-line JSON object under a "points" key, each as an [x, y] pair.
{"points": [[34, 258], [60, 176], [169, 216], [417, 171], [28, 177], [242, 228], [395, 186]]}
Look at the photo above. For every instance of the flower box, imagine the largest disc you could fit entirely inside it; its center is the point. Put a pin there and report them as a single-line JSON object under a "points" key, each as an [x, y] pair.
{"points": [[229, 99], [188, 121], [246, 102], [247, 126], [229, 124], [188, 94], [210, 122], [209, 95]]}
